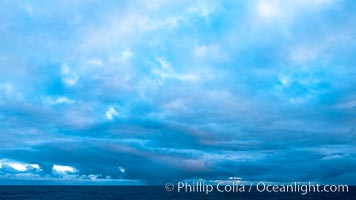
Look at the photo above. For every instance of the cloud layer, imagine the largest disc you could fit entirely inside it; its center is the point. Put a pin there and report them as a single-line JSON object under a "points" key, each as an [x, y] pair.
{"points": [[143, 92]]}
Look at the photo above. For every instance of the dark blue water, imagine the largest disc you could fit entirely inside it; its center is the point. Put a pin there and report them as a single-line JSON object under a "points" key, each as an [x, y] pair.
{"points": [[147, 192]]}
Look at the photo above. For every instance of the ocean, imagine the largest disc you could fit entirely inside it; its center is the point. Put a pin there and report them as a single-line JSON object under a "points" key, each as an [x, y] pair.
{"points": [[148, 192]]}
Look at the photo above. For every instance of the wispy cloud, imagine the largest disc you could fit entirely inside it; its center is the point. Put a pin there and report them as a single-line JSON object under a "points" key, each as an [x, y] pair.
{"points": [[123, 92]]}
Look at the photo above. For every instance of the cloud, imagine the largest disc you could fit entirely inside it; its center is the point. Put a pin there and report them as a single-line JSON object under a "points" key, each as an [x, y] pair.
{"points": [[63, 169], [152, 25], [175, 90], [68, 77], [268, 9], [126, 55], [205, 10], [60, 100], [123, 57], [123, 170], [166, 72], [35, 166], [111, 113], [94, 62], [205, 50], [17, 166]]}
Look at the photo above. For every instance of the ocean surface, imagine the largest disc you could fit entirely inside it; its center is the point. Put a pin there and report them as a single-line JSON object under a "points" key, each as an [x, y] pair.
{"points": [[148, 192]]}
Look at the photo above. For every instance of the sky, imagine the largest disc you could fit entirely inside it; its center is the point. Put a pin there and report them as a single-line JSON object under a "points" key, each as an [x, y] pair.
{"points": [[146, 92]]}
